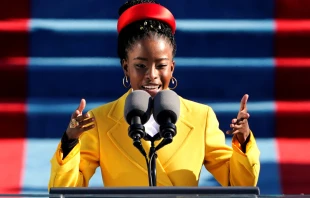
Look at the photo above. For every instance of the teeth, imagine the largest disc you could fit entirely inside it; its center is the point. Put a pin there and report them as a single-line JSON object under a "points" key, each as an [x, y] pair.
{"points": [[150, 87]]}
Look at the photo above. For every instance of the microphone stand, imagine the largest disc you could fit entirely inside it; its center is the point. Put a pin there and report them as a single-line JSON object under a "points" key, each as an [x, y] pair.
{"points": [[152, 158], [167, 133], [136, 132]]}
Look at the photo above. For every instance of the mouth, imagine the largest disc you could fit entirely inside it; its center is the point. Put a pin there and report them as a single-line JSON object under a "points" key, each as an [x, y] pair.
{"points": [[151, 89]]}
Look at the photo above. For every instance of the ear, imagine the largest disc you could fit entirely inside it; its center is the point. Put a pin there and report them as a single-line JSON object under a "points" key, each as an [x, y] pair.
{"points": [[172, 67], [125, 66]]}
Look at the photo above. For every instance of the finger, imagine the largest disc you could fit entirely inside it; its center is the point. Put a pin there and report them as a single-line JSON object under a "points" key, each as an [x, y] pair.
{"points": [[243, 115], [86, 121], [75, 114], [82, 117], [88, 127], [229, 132], [236, 126], [243, 103], [239, 121], [79, 110], [242, 121], [234, 121], [82, 105], [235, 132]]}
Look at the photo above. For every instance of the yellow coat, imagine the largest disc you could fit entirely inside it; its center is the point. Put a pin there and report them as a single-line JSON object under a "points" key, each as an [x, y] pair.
{"points": [[198, 141]]}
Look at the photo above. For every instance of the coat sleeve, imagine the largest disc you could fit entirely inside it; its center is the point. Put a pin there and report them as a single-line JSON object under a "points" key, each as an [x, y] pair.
{"points": [[229, 165], [76, 169]]}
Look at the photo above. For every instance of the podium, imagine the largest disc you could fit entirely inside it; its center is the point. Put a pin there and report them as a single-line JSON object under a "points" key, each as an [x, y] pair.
{"points": [[152, 192]]}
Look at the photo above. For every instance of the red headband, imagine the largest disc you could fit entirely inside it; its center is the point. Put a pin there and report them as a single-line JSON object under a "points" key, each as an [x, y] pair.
{"points": [[146, 11]]}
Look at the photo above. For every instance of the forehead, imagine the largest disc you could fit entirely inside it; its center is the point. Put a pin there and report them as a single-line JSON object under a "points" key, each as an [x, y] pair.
{"points": [[151, 46]]}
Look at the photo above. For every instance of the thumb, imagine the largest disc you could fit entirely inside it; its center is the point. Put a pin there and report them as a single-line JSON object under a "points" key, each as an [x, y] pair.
{"points": [[81, 106]]}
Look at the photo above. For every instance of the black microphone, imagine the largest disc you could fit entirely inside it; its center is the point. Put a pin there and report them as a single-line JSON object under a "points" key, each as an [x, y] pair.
{"points": [[166, 112], [137, 111]]}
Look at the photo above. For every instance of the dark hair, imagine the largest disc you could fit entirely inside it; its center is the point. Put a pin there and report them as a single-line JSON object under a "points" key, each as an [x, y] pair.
{"points": [[141, 29]]}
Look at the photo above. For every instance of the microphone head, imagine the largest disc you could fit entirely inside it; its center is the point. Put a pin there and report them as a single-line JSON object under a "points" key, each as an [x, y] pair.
{"points": [[166, 106], [138, 103]]}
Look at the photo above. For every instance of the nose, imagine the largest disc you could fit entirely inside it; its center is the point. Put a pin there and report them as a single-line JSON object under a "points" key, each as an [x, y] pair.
{"points": [[152, 73]]}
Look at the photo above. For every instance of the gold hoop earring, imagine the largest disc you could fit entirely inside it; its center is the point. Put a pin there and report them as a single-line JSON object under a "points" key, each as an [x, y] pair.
{"points": [[125, 80], [174, 81]]}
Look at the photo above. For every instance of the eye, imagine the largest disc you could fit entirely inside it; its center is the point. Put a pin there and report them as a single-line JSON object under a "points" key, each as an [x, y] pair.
{"points": [[140, 65], [161, 66]]}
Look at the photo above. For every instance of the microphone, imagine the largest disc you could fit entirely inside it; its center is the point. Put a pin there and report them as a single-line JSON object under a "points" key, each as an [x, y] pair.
{"points": [[137, 111], [166, 112]]}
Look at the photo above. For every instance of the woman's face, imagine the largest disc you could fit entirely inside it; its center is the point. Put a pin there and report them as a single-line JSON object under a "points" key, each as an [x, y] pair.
{"points": [[149, 64]]}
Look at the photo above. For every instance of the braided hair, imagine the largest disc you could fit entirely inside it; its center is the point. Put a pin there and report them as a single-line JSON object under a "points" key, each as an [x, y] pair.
{"points": [[141, 29]]}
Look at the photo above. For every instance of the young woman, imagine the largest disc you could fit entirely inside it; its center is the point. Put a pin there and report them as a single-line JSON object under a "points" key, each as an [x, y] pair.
{"points": [[146, 48]]}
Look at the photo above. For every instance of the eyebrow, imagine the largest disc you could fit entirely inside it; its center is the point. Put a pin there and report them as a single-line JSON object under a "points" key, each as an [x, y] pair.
{"points": [[145, 59]]}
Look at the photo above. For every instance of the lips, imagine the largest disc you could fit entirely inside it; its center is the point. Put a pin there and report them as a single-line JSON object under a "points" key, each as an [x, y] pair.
{"points": [[150, 87]]}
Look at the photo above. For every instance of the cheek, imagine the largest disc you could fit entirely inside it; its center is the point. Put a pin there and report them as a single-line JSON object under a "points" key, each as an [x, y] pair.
{"points": [[168, 72], [166, 76], [135, 76], [132, 71]]}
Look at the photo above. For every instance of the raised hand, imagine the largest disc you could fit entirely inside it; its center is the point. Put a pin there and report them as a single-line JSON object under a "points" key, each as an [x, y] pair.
{"points": [[79, 122], [240, 126]]}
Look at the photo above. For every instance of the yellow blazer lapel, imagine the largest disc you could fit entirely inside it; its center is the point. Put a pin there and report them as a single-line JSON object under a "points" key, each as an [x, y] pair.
{"points": [[184, 128], [119, 136]]}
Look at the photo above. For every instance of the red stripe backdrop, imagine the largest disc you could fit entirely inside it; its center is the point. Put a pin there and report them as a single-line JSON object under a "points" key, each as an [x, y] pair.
{"points": [[14, 17], [292, 52]]}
